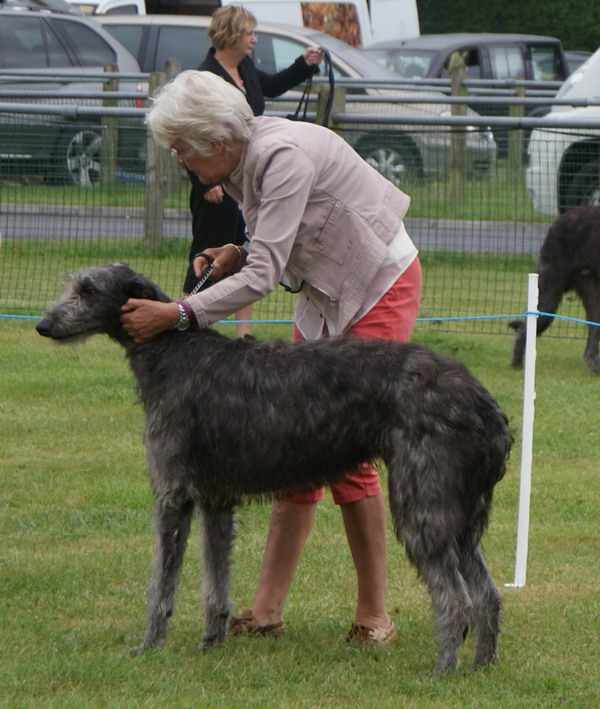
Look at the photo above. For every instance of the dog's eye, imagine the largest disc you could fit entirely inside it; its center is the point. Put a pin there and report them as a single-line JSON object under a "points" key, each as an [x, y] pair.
{"points": [[88, 289]]}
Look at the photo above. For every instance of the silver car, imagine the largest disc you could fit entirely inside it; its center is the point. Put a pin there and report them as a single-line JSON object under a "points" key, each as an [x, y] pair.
{"points": [[48, 52], [398, 151]]}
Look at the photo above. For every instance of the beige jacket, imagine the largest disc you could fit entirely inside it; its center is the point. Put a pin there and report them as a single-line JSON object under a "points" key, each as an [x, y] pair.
{"points": [[312, 206]]}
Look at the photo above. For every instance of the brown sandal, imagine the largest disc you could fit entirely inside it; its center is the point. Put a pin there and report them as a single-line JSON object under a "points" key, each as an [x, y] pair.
{"points": [[371, 637], [245, 624]]}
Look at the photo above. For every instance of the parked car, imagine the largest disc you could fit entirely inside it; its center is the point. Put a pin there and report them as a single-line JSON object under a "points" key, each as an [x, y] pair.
{"points": [[564, 163], [396, 151], [52, 48], [487, 56]]}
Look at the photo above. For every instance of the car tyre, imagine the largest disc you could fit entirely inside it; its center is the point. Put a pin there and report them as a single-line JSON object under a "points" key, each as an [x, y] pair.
{"points": [[77, 158], [396, 158]]}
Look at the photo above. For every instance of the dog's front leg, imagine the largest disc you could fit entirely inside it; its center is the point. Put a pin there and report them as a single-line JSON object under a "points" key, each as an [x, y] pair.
{"points": [[172, 519], [219, 534]]}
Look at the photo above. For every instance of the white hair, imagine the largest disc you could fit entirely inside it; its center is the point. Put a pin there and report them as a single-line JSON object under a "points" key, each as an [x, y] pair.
{"points": [[199, 108]]}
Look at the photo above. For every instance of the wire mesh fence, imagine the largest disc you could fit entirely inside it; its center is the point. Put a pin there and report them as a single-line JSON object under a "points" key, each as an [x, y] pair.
{"points": [[66, 204]]}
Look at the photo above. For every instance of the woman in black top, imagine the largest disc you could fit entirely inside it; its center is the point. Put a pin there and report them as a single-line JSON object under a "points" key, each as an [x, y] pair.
{"points": [[216, 218]]}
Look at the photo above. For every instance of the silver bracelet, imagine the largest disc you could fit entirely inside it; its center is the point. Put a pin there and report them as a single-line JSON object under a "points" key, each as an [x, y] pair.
{"points": [[184, 321]]}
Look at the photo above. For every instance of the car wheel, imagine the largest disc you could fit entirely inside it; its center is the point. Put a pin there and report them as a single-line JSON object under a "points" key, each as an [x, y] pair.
{"points": [[77, 158], [584, 190], [396, 158]]}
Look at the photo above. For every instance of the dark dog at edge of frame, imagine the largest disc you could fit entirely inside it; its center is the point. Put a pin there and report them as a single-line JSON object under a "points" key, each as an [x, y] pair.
{"points": [[228, 420], [569, 260]]}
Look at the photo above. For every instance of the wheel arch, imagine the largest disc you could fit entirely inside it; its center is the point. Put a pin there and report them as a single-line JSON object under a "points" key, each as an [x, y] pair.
{"points": [[575, 159]]}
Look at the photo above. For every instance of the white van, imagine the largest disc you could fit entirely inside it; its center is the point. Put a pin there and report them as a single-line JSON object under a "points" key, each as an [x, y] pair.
{"points": [[109, 7], [357, 22], [564, 164]]}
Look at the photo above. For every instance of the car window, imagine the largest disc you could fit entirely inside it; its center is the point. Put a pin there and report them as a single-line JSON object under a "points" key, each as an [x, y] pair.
{"points": [[272, 54], [412, 65], [130, 37], [123, 10], [188, 44], [26, 43], [507, 63], [471, 57], [406, 62], [90, 48], [546, 64]]}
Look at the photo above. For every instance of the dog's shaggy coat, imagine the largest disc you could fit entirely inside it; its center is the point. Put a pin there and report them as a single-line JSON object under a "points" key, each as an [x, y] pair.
{"points": [[230, 419], [569, 260]]}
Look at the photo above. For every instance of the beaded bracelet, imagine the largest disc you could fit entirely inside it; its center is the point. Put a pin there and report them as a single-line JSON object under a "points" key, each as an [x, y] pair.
{"points": [[240, 253]]}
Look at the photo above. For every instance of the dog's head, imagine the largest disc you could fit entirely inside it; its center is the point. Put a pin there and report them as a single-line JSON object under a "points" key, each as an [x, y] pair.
{"points": [[91, 302]]}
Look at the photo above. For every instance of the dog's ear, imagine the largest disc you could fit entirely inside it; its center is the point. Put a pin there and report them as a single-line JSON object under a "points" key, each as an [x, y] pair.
{"points": [[140, 287]]}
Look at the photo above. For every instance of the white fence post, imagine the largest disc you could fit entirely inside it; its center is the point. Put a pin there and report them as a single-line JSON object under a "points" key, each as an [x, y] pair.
{"points": [[527, 433]]}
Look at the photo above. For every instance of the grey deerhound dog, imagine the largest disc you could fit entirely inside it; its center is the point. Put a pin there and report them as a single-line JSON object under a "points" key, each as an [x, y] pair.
{"points": [[569, 260], [232, 419]]}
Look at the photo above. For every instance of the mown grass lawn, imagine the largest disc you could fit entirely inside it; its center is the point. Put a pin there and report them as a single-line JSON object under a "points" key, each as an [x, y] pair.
{"points": [[77, 541]]}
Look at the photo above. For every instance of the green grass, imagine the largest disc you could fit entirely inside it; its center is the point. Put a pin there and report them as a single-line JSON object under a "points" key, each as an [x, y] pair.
{"points": [[36, 191], [75, 518], [501, 196]]}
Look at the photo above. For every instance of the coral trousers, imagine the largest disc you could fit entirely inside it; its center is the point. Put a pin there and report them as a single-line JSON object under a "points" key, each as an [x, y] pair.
{"points": [[391, 318]]}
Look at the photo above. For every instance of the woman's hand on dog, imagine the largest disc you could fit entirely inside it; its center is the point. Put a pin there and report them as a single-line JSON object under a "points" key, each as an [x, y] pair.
{"points": [[145, 319]]}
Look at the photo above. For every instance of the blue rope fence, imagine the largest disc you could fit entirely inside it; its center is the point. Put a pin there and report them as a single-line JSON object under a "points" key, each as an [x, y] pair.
{"points": [[436, 320]]}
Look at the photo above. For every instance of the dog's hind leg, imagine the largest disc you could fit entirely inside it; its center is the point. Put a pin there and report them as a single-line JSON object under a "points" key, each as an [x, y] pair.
{"points": [[451, 608], [425, 520], [590, 354], [172, 519], [428, 536], [588, 289], [485, 598], [219, 534]]}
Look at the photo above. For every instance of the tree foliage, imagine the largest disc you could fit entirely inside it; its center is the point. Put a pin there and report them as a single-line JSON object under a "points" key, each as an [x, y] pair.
{"points": [[575, 22]]}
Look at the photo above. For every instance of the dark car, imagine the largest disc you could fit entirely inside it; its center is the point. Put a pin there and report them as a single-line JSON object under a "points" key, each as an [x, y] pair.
{"points": [[56, 54], [487, 56]]}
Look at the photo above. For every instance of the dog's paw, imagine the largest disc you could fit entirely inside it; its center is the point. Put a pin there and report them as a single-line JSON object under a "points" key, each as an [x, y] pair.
{"points": [[143, 649], [592, 361], [209, 641]]}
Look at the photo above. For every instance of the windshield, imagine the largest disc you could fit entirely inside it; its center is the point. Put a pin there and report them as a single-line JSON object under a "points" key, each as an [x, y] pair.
{"points": [[409, 63]]}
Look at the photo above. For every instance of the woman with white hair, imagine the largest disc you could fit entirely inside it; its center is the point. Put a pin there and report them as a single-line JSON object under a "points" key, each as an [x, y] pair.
{"points": [[328, 225]]}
